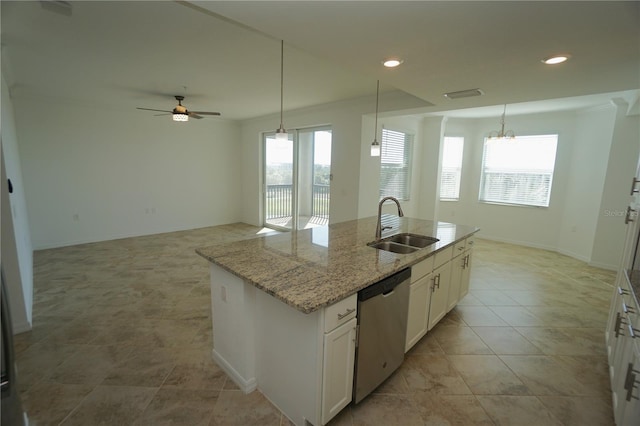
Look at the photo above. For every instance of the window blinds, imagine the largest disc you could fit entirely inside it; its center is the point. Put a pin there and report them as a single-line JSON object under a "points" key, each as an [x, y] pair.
{"points": [[518, 171], [451, 173], [395, 164]]}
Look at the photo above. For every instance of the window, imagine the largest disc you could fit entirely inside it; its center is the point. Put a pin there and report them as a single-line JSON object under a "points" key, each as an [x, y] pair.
{"points": [[518, 171], [395, 164], [451, 168]]}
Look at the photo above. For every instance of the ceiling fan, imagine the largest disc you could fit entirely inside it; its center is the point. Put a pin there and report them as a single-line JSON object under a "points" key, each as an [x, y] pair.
{"points": [[180, 112]]}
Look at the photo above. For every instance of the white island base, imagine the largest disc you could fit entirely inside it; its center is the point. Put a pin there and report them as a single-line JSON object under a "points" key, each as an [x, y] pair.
{"points": [[303, 363]]}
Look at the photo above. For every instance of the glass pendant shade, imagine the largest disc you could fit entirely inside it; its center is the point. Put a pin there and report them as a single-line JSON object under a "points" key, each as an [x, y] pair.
{"points": [[375, 148]]}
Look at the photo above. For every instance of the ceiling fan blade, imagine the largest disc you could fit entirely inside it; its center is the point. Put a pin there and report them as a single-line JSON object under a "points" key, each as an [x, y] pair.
{"points": [[158, 115], [205, 113], [194, 115], [158, 110]]}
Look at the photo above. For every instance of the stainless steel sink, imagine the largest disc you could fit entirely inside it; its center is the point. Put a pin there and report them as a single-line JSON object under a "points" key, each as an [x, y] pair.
{"points": [[393, 247], [404, 243], [413, 240]]}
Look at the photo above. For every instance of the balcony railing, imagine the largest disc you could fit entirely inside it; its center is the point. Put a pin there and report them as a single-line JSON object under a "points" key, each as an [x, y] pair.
{"points": [[279, 201]]}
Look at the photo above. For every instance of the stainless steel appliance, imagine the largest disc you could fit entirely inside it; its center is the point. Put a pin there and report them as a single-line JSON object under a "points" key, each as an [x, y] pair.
{"points": [[382, 328], [12, 414]]}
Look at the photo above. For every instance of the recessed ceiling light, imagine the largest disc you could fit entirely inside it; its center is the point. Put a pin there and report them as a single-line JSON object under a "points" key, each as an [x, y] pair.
{"points": [[556, 59], [392, 62]]}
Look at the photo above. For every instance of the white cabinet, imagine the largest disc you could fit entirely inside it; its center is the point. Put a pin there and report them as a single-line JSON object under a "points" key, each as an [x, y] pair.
{"points": [[418, 317], [623, 338], [337, 371], [457, 268], [466, 267], [440, 281]]}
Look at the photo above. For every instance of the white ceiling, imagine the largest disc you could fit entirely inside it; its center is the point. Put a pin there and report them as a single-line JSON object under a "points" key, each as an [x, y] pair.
{"points": [[227, 54]]}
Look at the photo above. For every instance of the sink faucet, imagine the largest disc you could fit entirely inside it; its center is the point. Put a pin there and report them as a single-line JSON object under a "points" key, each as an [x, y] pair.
{"points": [[379, 227]]}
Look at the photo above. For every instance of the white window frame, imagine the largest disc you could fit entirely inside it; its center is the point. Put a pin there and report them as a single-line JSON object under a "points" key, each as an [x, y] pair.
{"points": [[525, 178], [452, 192], [390, 153]]}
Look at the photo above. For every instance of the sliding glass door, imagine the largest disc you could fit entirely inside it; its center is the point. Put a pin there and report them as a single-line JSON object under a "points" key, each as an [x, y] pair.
{"points": [[297, 179]]}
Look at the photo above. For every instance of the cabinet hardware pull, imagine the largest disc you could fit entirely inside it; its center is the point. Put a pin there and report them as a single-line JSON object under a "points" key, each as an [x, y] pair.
{"points": [[618, 324], [627, 309], [460, 248], [466, 261], [470, 242], [633, 186], [347, 313], [627, 217], [629, 382]]}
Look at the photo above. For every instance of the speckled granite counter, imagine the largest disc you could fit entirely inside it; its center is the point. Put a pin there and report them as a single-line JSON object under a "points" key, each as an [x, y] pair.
{"points": [[313, 268]]}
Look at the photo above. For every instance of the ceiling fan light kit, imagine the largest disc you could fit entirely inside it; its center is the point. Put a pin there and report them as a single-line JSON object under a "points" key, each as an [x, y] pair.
{"points": [[180, 112], [375, 145]]}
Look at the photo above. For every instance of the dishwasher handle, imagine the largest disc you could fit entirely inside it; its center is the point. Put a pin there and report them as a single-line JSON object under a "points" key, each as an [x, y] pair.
{"points": [[385, 286]]}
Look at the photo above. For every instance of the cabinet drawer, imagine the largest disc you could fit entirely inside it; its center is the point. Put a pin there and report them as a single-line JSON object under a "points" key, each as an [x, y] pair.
{"points": [[442, 257], [471, 241], [459, 247], [421, 269], [340, 312]]}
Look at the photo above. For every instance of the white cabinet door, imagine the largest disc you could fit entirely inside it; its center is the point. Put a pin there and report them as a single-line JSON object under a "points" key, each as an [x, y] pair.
{"points": [[337, 371], [457, 267], [466, 274], [418, 316], [630, 414], [440, 281]]}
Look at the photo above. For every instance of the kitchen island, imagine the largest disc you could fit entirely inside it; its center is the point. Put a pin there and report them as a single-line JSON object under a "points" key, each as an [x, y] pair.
{"points": [[284, 306]]}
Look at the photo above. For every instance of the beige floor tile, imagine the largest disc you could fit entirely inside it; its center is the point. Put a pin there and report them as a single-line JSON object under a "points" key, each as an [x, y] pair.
{"points": [[480, 316], [517, 411], [592, 371], [49, 403], [236, 408], [459, 340], [517, 316], [494, 298], [179, 407], [544, 376], [150, 296], [488, 375], [143, 368], [566, 341], [111, 405], [433, 373], [451, 410], [506, 341], [89, 365], [580, 411], [389, 410]]}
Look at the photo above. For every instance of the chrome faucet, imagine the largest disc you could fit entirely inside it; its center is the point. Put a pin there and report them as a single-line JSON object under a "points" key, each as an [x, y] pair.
{"points": [[379, 227]]}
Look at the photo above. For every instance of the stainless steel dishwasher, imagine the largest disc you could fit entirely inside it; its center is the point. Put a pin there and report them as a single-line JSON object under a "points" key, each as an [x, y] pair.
{"points": [[382, 328]]}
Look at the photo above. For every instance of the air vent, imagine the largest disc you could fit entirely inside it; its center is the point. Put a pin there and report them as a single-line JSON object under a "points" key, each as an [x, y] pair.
{"points": [[463, 94]]}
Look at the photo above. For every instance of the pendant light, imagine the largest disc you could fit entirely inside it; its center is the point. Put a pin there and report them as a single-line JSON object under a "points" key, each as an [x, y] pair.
{"points": [[502, 134], [281, 133], [375, 146]]}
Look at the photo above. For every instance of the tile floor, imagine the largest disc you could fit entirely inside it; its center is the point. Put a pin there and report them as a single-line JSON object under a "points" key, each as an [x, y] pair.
{"points": [[122, 336]]}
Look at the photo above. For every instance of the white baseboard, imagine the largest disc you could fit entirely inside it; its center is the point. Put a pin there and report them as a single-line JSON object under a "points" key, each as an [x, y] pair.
{"points": [[246, 385]]}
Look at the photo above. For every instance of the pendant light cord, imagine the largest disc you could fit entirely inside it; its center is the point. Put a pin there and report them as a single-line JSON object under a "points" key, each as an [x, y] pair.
{"points": [[375, 129], [281, 79]]}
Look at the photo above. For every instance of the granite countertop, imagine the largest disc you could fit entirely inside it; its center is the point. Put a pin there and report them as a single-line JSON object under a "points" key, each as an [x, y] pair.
{"points": [[312, 268]]}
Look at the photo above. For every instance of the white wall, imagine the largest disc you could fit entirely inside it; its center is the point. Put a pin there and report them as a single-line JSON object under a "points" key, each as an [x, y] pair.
{"points": [[94, 173], [349, 164], [623, 158], [596, 158], [17, 252]]}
